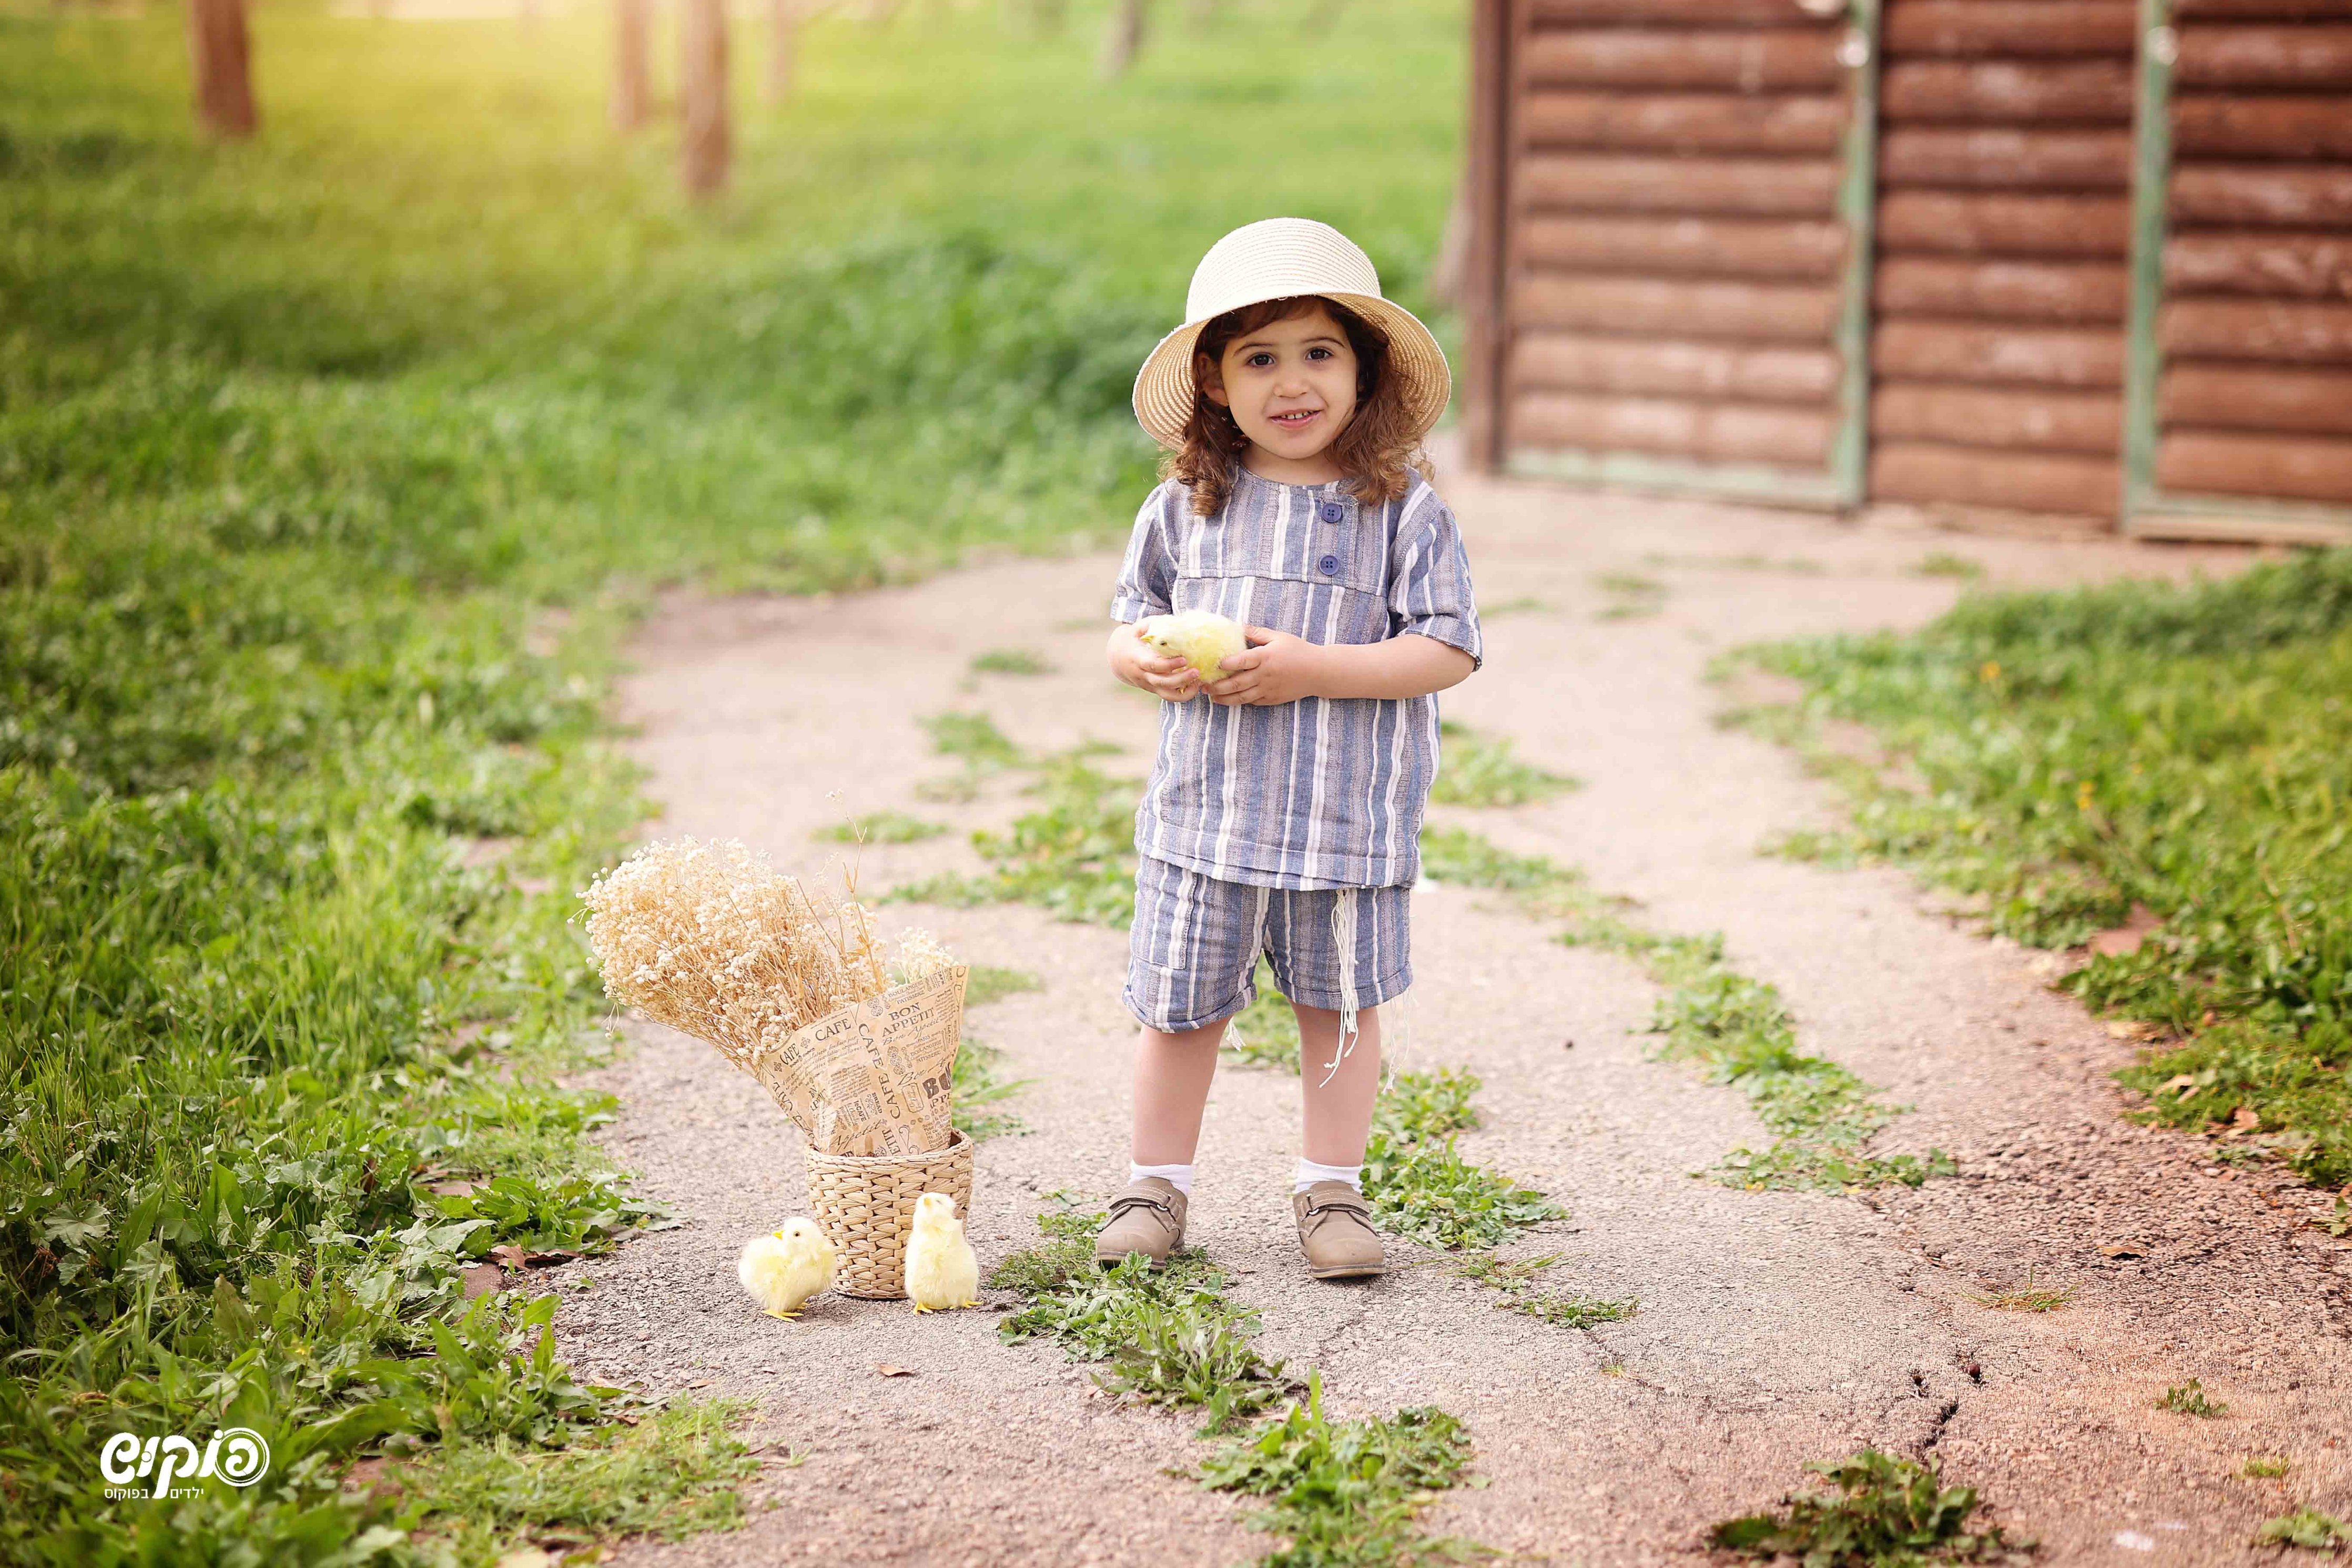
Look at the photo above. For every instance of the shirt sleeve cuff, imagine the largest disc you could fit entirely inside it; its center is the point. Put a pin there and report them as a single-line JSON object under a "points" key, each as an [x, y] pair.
{"points": [[1129, 607], [1452, 630]]}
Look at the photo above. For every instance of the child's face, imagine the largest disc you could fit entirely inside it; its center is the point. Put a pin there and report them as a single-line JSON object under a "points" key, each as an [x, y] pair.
{"points": [[1290, 385]]}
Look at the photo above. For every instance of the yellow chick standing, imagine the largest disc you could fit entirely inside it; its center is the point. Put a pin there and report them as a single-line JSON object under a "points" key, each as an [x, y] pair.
{"points": [[1201, 638], [782, 1271], [941, 1271]]}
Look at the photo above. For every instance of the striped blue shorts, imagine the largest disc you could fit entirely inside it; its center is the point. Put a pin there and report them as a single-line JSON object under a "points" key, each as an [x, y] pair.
{"points": [[1192, 952]]}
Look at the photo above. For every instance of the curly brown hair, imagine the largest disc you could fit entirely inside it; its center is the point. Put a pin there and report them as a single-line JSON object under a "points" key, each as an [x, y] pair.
{"points": [[1377, 449]]}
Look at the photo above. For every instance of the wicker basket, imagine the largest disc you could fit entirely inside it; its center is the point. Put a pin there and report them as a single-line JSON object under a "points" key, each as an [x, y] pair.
{"points": [[865, 1204]]}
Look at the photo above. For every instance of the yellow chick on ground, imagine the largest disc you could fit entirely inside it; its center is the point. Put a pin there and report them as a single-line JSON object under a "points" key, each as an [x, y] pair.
{"points": [[1201, 638], [942, 1273], [782, 1271]]}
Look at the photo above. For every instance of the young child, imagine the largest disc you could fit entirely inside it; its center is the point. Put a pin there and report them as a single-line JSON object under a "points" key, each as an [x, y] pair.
{"points": [[1284, 811]]}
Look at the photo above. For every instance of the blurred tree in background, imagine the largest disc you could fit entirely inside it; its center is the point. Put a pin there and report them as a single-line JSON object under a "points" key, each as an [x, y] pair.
{"points": [[221, 53]]}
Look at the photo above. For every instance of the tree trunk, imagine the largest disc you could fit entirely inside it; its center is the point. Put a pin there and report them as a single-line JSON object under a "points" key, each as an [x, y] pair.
{"points": [[783, 47], [1321, 18], [1122, 40], [223, 58], [633, 86], [1449, 274], [702, 93]]}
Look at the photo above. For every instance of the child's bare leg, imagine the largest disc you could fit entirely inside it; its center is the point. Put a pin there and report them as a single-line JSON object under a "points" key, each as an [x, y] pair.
{"points": [[1339, 1112], [1171, 1088]]}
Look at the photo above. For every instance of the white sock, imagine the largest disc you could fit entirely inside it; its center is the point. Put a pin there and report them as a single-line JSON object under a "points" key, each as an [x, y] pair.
{"points": [[1178, 1176], [1309, 1173]]}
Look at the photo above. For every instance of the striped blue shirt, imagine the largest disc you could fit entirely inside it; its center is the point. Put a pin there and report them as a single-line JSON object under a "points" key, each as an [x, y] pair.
{"points": [[1322, 792]]}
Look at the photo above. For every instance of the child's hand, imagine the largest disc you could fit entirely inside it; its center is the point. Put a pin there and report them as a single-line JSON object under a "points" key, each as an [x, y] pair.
{"points": [[1277, 668], [1163, 675]]}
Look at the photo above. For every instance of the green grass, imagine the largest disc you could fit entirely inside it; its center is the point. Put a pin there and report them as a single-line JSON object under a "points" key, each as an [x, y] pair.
{"points": [[2307, 1528], [1479, 770], [332, 468], [1877, 1511], [1794, 566], [2188, 1399], [1266, 1032], [1417, 1183], [2265, 1466], [1632, 596], [670, 1476], [1821, 1116], [979, 1083], [1518, 1281], [881, 828], [973, 739], [988, 983], [1075, 855], [2029, 1297], [1944, 563], [1346, 1493], [1162, 1336], [1011, 662], [2187, 749], [1524, 605]]}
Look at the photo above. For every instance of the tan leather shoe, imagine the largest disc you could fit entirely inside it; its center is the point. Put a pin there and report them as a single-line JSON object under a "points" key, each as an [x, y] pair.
{"points": [[1147, 1216], [1334, 1231]]}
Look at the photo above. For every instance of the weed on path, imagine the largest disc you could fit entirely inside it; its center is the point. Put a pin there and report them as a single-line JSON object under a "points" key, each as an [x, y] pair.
{"points": [[2188, 1399], [1011, 662], [1479, 770], [1419, 1185], [978, 1073], [2028, 1297], [1879, 1512], [1075, 855], [1344, 1492], [1518, 1281], [1632, 595], [881, 828], [2307, 1528], [1823, 1116]]}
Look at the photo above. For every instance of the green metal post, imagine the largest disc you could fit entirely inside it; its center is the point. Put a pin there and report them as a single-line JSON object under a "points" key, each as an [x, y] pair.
{"points": [[2151, 183], [2147, 507], [1858, 209]]}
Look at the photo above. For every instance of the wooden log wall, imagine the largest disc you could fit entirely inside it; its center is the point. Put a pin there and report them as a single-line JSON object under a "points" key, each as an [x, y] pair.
{"points": [[2255, 331], [2004, 233], [1672, 257]]}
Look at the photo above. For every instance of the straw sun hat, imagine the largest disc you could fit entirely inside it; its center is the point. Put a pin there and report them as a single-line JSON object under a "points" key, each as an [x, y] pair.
{"points": [[1281, 258]]}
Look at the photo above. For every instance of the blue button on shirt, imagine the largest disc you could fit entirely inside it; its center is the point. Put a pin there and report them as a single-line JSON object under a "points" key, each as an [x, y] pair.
{"points": [[1332, 511], [1322, 792]]}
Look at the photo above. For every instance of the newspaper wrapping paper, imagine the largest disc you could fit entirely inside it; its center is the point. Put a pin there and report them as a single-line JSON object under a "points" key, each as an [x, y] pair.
{"points": [[873, 1077]]}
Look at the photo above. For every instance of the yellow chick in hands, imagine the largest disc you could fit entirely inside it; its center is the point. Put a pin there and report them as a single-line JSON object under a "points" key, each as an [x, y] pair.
{"points": [[1201, 638], [782, 1271], [942, 1273]]}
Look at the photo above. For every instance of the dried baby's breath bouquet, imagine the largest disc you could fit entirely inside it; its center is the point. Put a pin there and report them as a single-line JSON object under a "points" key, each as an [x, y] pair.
{"points": [[711, 940]]}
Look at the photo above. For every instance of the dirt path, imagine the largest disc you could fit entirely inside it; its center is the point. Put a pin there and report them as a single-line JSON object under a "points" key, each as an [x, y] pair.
{"points": [[1774, 1327]]}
